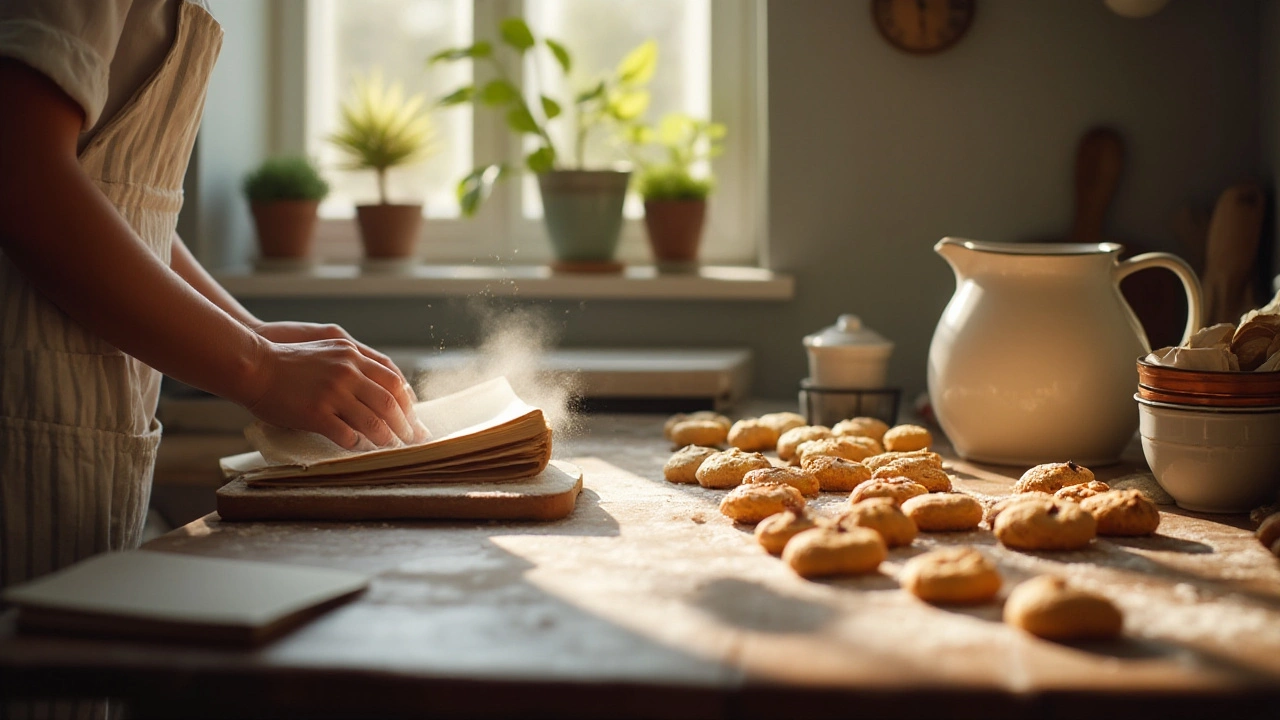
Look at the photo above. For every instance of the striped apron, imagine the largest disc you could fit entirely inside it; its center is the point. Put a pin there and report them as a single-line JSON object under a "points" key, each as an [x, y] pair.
{"points": [[78, 431]]}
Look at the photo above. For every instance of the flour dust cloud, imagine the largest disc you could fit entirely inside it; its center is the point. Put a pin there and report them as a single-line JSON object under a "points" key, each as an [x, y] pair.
{"points": [[513, 343]]}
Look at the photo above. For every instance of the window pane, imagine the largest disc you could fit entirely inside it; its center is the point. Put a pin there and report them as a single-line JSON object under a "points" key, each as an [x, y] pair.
{"points": [[352, 37], [599, 34]]}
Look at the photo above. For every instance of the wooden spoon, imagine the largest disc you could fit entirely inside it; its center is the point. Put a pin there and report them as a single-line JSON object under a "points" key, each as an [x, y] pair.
{"points": [[1099, 160], [1156, 297], [1231, 253]]}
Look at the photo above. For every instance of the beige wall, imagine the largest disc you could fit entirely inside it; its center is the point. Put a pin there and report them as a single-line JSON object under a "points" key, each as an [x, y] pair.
{"points": [[874, 155]]}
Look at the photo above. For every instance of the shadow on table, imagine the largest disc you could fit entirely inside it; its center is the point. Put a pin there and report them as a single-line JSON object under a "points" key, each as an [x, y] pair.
{"points": [[753, 606], [1163, 543], [1141, 648]]}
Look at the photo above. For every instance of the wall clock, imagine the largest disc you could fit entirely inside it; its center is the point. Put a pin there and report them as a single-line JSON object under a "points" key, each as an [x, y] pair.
{"points": [[922, 26]]}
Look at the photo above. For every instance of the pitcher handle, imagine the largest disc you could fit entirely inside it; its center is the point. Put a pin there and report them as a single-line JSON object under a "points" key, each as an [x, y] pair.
{"points": [[1180, 268]]}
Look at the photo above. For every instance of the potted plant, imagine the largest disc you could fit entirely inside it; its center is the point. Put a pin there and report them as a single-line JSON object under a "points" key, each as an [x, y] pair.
{"points": [[283, 195], [675, 198], [382, 129], [582, 208]]}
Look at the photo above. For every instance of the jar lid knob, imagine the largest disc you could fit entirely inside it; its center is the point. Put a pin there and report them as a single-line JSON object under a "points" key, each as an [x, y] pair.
{"points": [[849, 323]]}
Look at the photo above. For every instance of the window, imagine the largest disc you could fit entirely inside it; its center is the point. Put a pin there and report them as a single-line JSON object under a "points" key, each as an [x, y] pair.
{"points": [[708, 67]]}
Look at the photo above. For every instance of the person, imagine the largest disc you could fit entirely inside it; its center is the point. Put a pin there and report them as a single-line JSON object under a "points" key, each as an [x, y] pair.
{"points": [[100, 101]]}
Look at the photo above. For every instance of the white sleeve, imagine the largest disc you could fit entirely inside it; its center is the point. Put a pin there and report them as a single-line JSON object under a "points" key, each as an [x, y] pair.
{"points": [[71, 42]]}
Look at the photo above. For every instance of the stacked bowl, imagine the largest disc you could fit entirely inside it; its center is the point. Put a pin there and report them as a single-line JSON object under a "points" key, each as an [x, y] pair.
{"points": [[1212, 439]]}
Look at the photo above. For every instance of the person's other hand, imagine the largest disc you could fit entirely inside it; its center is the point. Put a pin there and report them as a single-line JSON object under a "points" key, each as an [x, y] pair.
{"points": [[332, 387]]}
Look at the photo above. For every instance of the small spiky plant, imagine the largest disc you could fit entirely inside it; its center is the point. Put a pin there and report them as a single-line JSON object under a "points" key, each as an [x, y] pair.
{"points": [[381, 128]]}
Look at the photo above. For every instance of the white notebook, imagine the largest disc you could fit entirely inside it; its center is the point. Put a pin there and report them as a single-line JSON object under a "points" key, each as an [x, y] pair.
{"points": [[180, 597]]}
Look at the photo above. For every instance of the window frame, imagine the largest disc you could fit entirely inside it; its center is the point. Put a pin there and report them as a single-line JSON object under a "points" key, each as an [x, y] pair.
{"points": [[737, 223]]}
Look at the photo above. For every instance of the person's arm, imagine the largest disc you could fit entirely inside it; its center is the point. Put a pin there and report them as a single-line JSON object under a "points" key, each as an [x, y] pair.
{"points": [[75, 249], [188, 268]]}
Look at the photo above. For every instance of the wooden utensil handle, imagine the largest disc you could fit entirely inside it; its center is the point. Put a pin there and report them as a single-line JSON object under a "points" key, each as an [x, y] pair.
{"points": [[1099, 161], [1180, 268]]}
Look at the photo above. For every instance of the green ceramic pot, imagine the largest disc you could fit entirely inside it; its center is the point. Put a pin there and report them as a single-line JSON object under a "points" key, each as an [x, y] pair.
{"points": [[583, 212]]}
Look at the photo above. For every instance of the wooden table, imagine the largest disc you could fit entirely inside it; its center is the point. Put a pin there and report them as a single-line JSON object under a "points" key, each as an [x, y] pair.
{"points": [[647, 602]]}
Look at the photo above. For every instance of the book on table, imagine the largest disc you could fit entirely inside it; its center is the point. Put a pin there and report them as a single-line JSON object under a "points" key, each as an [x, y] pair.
{"points": [[173, 597], [484, 433]]}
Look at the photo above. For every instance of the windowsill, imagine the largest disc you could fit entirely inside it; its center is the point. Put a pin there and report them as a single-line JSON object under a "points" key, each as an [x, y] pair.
{"points": [[637, 282]]}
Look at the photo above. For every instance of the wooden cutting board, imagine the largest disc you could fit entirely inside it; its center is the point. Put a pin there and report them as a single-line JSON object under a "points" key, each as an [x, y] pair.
{"points": [[550, 495]]}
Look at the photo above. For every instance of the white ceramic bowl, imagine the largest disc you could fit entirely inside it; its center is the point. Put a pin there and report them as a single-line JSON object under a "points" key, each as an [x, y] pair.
{"points": [[1212, 460]]}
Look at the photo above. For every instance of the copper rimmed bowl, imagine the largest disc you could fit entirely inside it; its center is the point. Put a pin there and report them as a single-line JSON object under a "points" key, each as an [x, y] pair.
{"points": [[1208, 389], [1212, 439]]}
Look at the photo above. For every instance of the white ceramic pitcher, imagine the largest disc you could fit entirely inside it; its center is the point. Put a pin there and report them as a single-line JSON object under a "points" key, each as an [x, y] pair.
{"points": [[1033, 360]]}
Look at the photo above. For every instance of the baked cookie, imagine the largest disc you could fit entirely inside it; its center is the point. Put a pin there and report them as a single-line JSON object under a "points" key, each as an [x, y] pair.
{"points": [[862, 427], [1003, 503], [897, 489], [951, 576], [920, 469], [1047, 607], [783, 421], [849, 448], [726, 468], [1052, 477], [1269, 531], [698, 432], [1123, 512], [904, 438], [882, 515], [806, 483], [791, 439], [752, 435], [835, 551], [871, 444], [868, 446], [876, 462], [682, 467], [774, 532], [749, 504], [943, 512], [1038, 524], [836, 474], [699, 415], [1077, 493]]}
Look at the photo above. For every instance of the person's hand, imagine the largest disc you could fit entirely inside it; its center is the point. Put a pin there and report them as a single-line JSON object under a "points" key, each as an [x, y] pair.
{"points": [[334, 388], [300, 332], [297, 332]]}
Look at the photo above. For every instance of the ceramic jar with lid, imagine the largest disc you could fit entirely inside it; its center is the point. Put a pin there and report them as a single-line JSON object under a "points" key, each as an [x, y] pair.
{"points": [[848, 356]]}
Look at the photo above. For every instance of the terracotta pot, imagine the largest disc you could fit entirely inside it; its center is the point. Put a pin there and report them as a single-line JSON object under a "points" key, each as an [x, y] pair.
{"points": [[285, 227], [389, 231], [675, 228]]}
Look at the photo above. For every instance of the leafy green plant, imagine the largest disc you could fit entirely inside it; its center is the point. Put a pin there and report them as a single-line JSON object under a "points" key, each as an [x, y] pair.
{"points": [[680, 142], [615, 100], [285, 178], [381, 128]]}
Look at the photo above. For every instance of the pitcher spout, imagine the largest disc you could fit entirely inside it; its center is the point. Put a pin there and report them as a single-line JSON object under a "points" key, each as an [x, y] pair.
{"points": [[959, 254]]}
